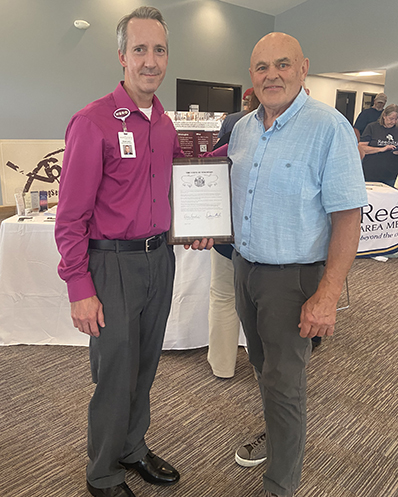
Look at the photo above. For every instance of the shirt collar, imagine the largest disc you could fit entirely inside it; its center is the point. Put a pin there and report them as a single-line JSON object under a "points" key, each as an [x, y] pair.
{"points": [[122, 100], [294, 107]]}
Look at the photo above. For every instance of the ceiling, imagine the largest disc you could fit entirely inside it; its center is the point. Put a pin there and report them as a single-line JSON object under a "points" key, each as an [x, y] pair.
{"points": [[271, 7], [275, 7], [376, 79]]}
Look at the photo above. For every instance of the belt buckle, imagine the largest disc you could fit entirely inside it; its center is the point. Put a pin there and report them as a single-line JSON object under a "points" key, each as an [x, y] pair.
{"points": [[147, 249]]}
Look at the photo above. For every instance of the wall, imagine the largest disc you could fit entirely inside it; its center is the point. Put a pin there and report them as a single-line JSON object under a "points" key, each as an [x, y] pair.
{"points": [[340, 36], [49, 69], [324, 89]]}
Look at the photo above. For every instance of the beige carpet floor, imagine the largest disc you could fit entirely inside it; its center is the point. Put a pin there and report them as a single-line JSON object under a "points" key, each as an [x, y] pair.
{"points": [[198, 420]]}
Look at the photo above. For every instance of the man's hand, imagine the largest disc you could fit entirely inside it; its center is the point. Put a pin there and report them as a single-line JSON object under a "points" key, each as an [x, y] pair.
{"points": [[201, 245], [87, 314], [318, 316]]}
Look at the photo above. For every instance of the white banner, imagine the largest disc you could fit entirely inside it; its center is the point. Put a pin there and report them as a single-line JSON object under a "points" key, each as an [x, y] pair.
{"points": [[379, 221]]}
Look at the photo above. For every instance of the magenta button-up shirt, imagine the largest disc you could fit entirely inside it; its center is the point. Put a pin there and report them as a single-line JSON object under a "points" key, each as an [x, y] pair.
{"points": [[103, 196]]}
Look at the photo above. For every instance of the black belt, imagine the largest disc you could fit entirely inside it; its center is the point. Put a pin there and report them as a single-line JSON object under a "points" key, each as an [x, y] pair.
{"points": [[283, 266], [140, 245]]}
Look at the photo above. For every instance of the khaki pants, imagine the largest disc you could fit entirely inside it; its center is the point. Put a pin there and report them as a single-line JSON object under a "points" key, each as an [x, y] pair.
{"points": [[224, 324]]}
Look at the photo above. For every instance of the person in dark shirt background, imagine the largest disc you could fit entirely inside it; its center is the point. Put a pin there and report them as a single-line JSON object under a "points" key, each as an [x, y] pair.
{"points": [[231, 119], [370, 115], [379, 141]]}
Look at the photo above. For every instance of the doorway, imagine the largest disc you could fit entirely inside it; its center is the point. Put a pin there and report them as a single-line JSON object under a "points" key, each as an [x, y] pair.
{"points": [[368, 100], [345, 103]]}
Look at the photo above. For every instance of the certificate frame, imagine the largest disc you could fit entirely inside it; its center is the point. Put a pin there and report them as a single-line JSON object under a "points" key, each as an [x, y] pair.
{"points": [[206, 179]]}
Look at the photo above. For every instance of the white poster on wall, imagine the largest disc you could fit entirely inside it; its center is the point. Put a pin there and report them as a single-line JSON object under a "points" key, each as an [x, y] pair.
{"points": [[30, 165]]}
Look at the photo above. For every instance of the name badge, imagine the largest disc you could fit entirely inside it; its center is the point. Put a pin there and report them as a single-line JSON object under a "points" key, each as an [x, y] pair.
{"points": [[127, 146]]}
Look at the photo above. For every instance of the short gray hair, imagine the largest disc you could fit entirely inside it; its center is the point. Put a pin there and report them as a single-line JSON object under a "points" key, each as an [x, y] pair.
{"points": [[143, 12]]}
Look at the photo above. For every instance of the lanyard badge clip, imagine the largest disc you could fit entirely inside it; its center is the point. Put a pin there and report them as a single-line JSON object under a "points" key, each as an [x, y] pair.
{"points": [[122, 114], [126, 139]]}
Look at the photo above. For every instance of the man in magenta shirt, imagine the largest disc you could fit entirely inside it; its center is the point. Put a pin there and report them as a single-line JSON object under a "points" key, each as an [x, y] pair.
{"points": [[112, 214]]}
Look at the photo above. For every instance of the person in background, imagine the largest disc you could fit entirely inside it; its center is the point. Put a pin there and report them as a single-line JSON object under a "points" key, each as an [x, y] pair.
{"points": [[112, 214], [297, 189], [230, 120], [224, 324], [370, 115], [379, 142]]}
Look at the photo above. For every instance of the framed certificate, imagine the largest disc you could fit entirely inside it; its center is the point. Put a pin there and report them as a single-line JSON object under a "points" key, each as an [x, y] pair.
{"points": [[200, 199]]}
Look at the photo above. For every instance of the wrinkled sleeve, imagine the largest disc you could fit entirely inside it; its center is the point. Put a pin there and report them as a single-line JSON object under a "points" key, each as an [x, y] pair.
{"points": [[218, 152], [81, 176], [343, 184]]}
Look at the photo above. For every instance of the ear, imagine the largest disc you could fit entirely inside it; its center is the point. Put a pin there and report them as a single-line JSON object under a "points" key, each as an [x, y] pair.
{"points": [[122, 58], [304, 69]]}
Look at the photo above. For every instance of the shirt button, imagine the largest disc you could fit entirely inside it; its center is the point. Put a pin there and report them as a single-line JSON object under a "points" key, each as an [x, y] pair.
{"points": [[288, 165], [154, 199], [244, 244], [250, 191], [153, 175], [255, 164], [152, 150], [263, 138], [246, 217], [154, 225]]}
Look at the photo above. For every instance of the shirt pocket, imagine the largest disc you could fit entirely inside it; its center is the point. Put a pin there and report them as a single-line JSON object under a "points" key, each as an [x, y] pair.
{"points": [[287, 177]]}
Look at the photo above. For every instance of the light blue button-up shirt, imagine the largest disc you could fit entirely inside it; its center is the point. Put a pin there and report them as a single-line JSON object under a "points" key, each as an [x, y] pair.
{"points": [[287, 180]]}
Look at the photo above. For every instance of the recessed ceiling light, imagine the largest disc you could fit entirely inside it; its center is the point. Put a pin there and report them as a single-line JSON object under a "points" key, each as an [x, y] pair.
{"points": [[363, 73]]}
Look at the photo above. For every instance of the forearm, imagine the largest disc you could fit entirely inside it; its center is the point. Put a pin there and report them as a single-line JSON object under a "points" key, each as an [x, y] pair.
{"points": [[371, 150]]}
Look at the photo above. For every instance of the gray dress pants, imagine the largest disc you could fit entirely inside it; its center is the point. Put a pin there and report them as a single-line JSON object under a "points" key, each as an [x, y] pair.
{"points": [[268, 302], [135, 289]]}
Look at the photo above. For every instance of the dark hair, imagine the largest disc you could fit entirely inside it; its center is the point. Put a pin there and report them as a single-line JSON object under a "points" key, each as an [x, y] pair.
{"points": [[143, 12]]}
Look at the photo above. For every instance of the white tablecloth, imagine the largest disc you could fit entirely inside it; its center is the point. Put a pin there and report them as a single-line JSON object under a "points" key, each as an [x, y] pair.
{"points": [[34, 307]]}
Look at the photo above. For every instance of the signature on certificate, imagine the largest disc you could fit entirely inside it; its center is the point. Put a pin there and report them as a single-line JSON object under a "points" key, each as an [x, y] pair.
{"points": [[190, 217], [213, 215]]}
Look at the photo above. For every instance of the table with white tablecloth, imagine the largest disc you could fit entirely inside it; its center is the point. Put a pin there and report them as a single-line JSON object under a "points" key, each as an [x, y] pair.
{"points": [[379, 221], [34, 306]]}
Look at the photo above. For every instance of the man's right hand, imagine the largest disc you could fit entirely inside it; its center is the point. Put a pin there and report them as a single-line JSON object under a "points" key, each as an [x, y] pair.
{"points": [[87, 314]]}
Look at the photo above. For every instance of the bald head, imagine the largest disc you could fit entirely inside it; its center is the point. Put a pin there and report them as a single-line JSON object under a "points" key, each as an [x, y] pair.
{"points": [[281, 41], [278, 70]]}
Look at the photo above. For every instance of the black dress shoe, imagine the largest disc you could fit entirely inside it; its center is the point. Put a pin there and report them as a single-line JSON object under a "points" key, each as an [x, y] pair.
{"points": [[155, 470], [121, 490]]}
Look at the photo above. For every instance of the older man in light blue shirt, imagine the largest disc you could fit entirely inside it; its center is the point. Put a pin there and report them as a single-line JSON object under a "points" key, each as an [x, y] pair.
{"points": [[297, 188]]}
